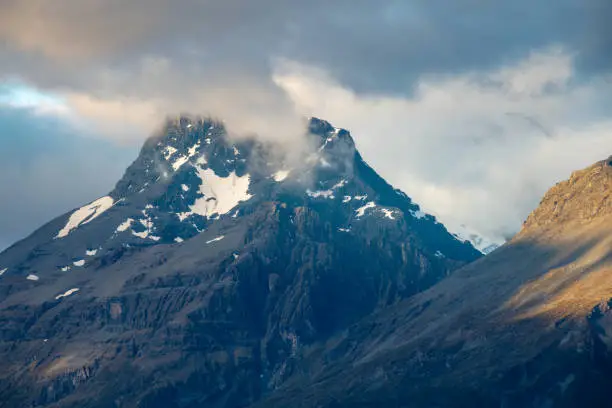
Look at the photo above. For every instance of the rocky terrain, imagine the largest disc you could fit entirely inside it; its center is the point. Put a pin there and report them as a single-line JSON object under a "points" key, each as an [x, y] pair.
{"points": [[527, 326], [218, 274]]}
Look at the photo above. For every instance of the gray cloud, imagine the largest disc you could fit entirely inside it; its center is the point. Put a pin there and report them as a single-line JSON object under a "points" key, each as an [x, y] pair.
{"points": [[369, 45], [218, 57]]}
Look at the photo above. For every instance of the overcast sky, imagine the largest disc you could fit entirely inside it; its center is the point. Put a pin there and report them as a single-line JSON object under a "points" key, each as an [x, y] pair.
{"points": [[472, 107]]}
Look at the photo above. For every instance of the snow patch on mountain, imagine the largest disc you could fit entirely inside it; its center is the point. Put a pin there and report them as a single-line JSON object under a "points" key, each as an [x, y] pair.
{"points": [[339, 184], [193, 149], [169, 151], [148, 225], [219, 194], [125, 225], [85, 215], [329, 194], [388, 213], [178, 163], [361, 210], [219, 238], [143, 235], [67, 293]]}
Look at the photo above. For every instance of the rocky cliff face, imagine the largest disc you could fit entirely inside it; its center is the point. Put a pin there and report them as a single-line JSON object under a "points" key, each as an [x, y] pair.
{"points": [[210, 274], [527, 326]]}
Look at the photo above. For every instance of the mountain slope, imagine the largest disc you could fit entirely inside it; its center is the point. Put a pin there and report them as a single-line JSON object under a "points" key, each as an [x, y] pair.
{"points": [[527, 326], [201, 278]]}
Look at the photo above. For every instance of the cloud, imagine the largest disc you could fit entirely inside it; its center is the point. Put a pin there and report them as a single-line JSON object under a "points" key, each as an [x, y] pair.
{"points": [[217, 56], [124, 120], [448, 84], [478, 148]]}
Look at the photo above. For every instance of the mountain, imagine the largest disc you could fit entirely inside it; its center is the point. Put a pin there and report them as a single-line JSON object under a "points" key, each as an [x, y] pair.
{"points": [[481, 243], [208, 272], [529, 325]]}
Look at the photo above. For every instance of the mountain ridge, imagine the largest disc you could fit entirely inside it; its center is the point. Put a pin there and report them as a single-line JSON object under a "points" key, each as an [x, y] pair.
{"points": [[185, 275]]}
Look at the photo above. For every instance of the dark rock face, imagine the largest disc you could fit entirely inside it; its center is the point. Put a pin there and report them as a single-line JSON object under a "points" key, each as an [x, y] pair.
{"points": [[211, 275]]}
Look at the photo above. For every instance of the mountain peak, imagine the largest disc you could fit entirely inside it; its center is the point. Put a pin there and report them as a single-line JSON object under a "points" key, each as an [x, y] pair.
{"points": [[326, 130], [581, 198], [191, 174], [180, 128], [184, 141], [208, 269]]}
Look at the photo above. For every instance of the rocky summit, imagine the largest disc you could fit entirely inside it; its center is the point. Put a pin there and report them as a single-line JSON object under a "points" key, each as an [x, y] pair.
{"points": [[218, 273]]}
